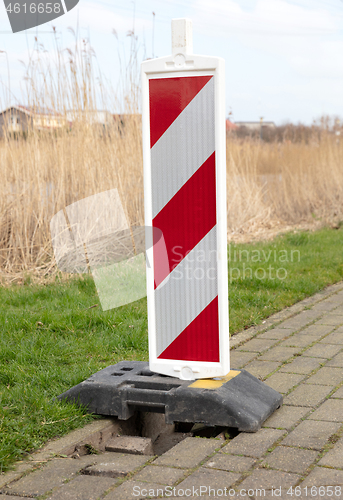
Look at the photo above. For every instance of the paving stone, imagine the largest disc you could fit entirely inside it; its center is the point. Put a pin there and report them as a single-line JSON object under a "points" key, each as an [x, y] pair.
{"points": [[292, 324], [130, 444], [316, 330], [336, 360], [276, 333], [111, 469], [20, 468], [231, 463], [331, 411], [159, 475], [322, 351], [263, 479], [83, 488], [337, 311], [120, 463], [257, 345], [43, 480], [136, 489], [326, 376], [335, 337], [261, 369], [311, 434], [279, 354], [299, 340], [330, 319], [7, 497], [283, 382], [290, 459], [208, 478], [300, 320], [104, 470], [8, 478], [334, 457], [238, 358], [286, 417], [303, 365], [253, 444], [95, 434], [189, 453], [326, 305], [308, 395], [338, 394], [321, 476], [332, 298]]}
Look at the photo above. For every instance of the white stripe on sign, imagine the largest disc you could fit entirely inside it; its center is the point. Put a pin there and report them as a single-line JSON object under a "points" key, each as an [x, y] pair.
{"points": [[187, 290], [176, 156]]}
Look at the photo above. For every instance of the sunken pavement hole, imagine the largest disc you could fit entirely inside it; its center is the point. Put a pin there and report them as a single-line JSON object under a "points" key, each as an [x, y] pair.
{"points": [[145, 433]]}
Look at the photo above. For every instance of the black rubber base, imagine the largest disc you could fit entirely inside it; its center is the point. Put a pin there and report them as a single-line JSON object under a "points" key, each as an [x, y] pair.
{"points": [[243, 402]]}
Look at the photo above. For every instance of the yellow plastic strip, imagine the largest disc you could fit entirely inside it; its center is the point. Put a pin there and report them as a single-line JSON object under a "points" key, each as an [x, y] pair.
{"points": [[214, 383]]}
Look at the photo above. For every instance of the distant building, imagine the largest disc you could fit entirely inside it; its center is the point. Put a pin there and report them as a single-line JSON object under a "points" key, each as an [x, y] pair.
{"points": [[230, 126], [18, 119], [252, 126], [92, 117]]}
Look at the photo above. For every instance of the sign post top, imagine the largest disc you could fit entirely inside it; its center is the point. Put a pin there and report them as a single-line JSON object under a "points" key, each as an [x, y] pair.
{"points": [[182, 36]]}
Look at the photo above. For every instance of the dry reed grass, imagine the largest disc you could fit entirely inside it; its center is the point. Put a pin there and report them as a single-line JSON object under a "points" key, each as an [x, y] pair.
{"points": [[44, 174], [270, 185], [281, 185], [47, 170]]}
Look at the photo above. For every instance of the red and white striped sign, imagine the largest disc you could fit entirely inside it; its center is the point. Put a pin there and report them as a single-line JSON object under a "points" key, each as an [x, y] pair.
{"points": [[185, 204]]}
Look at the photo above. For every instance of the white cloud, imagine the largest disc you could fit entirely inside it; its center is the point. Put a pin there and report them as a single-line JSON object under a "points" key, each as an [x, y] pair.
{"points": [[4, 21], [102, 18], [277, 17], [309, 40], [321, 59], [330, 90]]}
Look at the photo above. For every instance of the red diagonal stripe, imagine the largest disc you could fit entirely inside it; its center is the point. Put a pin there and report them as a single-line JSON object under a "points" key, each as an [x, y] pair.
{"points": [[200, 340], [186, 218], [168, 97]]}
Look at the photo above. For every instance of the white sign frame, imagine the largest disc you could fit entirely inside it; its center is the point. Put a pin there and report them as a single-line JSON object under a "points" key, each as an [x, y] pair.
{"points": [[183, 63]]}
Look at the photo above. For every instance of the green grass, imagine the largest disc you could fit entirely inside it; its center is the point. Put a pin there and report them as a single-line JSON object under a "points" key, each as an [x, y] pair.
{"points": [[52, 338], [49, 342], [308, 261]]}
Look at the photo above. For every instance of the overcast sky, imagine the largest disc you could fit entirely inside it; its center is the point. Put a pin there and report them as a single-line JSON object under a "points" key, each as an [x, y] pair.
{"points": [[284, 58]]}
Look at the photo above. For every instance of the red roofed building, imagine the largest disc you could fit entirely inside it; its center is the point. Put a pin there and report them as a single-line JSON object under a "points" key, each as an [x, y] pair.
{"points": [[230, 126], [18, 119]]}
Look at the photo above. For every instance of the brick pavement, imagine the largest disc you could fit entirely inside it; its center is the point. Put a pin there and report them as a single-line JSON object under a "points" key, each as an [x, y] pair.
{"points": [[298, 352]]}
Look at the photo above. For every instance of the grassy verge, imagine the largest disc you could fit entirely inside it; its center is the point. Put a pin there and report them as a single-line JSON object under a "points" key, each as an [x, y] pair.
{"points": [[268, 276], [53, 338]]}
